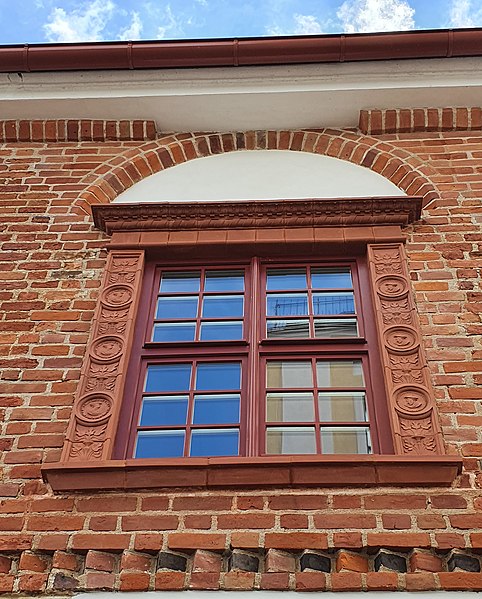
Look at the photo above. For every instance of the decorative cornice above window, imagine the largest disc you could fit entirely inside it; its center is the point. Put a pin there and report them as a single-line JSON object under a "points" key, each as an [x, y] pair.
{"points": [[258, 214]]}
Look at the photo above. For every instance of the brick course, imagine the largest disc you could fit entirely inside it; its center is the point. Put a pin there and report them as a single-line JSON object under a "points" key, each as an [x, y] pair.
{"points": [[50, 269]]}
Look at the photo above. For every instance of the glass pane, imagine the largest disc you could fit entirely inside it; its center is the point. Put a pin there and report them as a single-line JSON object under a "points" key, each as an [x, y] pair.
{"points": [[339, 373], [342, 406], [223, 306], [285, 278], [216, 409], [212, 442], [333, 303], [177, 307], [288, 329], [221, 331], [288, 374], [333, 328], [284, 304], [179, 331], [289, 407], [345, 440], [168, 377], [331, 278], [224, 280], [175, 282], [291, 440], [160, 444], [165, 410], [218, 375]]}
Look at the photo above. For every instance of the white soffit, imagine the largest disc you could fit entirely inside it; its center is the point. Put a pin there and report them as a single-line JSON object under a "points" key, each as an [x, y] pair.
{"points": [[241, 98], [259, 174]]}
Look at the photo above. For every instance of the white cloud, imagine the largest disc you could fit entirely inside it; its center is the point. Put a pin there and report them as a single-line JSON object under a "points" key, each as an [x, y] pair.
{"points": [[358, 16], [301, 25], [81, 24], [172, 26], [464, 14], [134, 30]]}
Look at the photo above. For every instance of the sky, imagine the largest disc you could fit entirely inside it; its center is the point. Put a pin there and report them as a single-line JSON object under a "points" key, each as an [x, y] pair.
{"points": [[40, 21]]}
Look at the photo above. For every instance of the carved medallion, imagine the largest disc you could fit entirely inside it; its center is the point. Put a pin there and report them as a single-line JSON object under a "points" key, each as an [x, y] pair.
{"points": [[401, 339], [391, 287], [94, 409], [117, 296], [412, 400], [107, 348]]}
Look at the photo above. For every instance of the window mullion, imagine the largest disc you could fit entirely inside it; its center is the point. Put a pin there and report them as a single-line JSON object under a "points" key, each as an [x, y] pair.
{"points": [[253, 370]]}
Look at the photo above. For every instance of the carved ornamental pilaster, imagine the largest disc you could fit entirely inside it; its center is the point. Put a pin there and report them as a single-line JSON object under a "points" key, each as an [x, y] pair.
{"points": [[410, 396], [96, 409]]}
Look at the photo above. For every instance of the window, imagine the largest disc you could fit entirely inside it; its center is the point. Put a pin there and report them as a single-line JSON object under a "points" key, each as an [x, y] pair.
{"points": [[251, 359]]}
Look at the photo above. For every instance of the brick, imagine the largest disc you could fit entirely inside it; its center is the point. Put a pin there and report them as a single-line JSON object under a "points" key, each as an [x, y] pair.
{"points": [[206, 561], [279, 561], [134, 581], [425, 562], [239, 581], [315, 561], [32, 562], [97, 581], [239, 560], [135, 561], [205, 581], [171, 561], [65, 561], [382, 581], [460, 581], [104, 542], [346, 581], [64, 582], [96, 560], [170, 581], [420, 582], [274, 581], [32, 583], [301, 540], [245, 540], [310, 581], [385, 560], [190, 541], [352, 562], [460, 561]]}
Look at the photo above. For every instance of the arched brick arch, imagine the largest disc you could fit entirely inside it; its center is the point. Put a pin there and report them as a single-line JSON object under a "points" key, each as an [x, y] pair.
{"points": [[402, 168]]}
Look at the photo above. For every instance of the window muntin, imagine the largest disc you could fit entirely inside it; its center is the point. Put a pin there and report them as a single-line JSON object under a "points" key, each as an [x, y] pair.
{"points": [[310, 302], [327, 395], [190, 409], [193, 421], [199, 305]]}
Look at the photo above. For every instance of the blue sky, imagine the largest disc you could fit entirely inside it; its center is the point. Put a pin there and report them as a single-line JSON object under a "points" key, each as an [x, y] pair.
{"points": [[36, 21]]}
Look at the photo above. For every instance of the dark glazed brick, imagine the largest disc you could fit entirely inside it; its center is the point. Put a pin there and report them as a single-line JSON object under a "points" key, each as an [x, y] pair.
{"points": [[390, 561], [171, 561], [243, 561], [459, 561], [314, 561], [64, 583]]}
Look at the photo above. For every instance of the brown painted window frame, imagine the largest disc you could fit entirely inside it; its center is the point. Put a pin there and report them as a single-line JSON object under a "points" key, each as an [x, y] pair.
{"points": [[308, 228], [256, 349]]}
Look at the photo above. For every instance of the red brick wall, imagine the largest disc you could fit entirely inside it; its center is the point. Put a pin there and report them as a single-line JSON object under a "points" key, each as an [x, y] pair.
{"points": [[50, 268]]}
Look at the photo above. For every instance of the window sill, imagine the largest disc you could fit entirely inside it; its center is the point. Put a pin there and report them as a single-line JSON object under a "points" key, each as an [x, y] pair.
{"points": [[276, 471]]}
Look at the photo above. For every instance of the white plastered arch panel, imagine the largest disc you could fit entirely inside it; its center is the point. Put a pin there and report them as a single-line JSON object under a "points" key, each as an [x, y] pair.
{"points": [[257, 175]]}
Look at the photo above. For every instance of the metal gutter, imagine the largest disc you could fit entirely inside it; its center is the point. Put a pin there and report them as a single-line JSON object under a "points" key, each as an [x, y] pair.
{"points": [[445, 43]]}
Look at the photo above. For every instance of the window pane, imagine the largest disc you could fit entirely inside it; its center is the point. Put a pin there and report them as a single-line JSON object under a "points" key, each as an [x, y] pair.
{"points": [[160, 444], [288, 374], [285, 278], [164, 410], [218, 375], [286, 329], [211, 442], [180, 331], [216, 409], [175, 282], [345, 440], [331, 278], [290, 440], [168, 377], [333, 303], [339, 373], [342, 406], [221, 331], [334, 328], [289, 407], [284, 304], [177, 307], [224, 280], [223, 306]]}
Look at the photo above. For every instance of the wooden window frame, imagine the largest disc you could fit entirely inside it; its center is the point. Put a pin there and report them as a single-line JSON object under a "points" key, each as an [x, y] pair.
{"points": [[308, 228]]}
